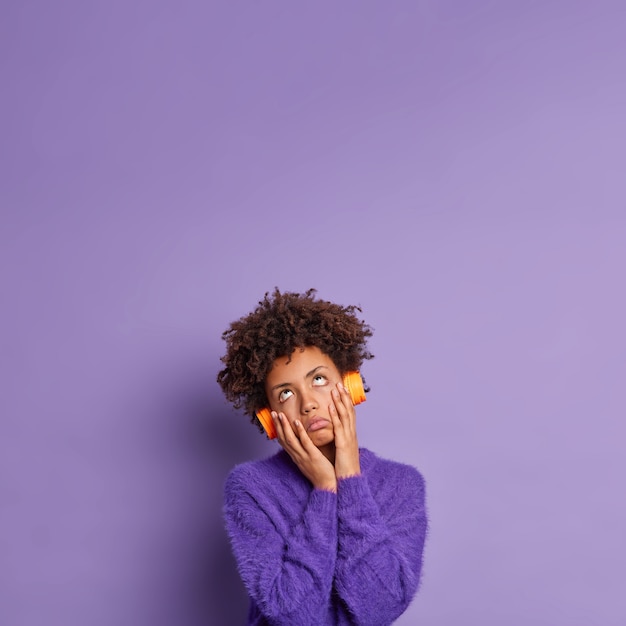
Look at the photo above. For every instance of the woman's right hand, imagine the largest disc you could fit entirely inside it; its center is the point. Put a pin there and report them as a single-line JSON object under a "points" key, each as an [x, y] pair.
{"points": [[309, 459]]}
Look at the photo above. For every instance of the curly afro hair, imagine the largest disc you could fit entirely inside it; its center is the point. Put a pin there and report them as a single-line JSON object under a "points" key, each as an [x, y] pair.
{"points": [[281, 323]]}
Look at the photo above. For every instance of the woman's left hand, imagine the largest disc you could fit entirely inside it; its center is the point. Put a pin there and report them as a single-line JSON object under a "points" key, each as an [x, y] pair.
{"points": [[343, 416]]}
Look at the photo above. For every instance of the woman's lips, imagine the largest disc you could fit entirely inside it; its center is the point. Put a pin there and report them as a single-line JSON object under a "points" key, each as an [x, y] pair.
{"points": [[317, 423]]}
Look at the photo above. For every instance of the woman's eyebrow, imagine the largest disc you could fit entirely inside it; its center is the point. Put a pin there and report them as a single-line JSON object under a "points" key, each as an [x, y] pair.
{"points": [[315, 369], [279, 386]]}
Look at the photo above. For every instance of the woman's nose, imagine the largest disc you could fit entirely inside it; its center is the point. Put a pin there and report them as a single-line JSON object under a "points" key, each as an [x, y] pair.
{"points": [[308, 403]]}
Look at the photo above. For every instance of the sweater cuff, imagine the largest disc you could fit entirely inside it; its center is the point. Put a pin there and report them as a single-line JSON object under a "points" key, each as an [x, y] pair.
{"points": [[353, 491], [320, 517], [322, 502]]}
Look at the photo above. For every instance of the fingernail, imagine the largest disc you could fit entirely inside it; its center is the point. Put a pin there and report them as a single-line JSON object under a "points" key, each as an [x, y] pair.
{"points": [[274, 414], [297, 422]]}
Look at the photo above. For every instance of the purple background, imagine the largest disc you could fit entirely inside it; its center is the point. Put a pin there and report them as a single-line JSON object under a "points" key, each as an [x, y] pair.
{"points": [[456, 168]]}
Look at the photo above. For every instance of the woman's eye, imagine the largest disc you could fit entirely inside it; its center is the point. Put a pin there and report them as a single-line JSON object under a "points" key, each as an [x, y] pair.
{"points": [[284, 394], [319, 380]]}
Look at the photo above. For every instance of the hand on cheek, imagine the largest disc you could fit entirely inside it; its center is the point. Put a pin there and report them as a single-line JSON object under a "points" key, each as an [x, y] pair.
{"points": [[309, 459], [343, 416]]}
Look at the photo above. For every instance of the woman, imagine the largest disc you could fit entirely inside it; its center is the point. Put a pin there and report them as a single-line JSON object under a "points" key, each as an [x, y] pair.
{"points": [[323, 532]]}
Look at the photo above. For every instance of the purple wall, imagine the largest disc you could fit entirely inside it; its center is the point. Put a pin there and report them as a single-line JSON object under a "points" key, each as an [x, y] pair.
{"points": [[457, 168]]}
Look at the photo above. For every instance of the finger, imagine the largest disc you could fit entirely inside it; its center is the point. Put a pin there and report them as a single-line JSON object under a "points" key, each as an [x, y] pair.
{"points": [[291, 439], [346, 398], [287, 428], [346, 415], [340, 406], [347, 403], [283, 427], [278, 425], [303, 436], [335, 419]]}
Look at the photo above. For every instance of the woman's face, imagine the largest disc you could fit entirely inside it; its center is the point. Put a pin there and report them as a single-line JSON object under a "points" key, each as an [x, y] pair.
{"points": [[299, 386]]}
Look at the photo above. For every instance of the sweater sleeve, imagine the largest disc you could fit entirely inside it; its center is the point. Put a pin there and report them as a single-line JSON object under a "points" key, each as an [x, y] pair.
{"points": [[380, 548], [288, 571]]}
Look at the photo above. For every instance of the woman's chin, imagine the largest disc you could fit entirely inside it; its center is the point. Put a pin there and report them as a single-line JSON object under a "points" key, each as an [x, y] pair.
{"points": [[322, 437]]}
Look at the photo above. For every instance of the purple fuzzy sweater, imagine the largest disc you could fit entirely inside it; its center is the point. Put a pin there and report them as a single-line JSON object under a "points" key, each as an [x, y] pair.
{"points": [[312, 557]]}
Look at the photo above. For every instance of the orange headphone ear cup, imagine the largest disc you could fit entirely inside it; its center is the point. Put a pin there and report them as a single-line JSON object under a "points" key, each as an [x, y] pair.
{"points": [[265, 417], [353, 382]]}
